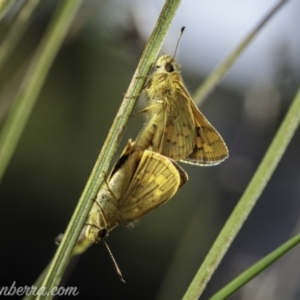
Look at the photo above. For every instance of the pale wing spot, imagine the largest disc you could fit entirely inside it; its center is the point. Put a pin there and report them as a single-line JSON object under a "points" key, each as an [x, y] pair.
{"points": [[207, 148], [160, 178]]}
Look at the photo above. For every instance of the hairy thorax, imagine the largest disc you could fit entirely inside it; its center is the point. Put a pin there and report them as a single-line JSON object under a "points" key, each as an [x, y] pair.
{"points": [[161, 91]]}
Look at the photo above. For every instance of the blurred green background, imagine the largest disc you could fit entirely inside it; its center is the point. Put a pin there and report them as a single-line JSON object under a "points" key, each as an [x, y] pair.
{"points": [[69, 124]]}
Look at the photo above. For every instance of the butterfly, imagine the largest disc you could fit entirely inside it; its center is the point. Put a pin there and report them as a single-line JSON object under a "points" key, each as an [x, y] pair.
{"points": [[139, 182], [176, 128]]}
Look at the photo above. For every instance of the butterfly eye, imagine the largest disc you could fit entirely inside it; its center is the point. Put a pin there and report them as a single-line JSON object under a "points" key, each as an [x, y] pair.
{"points": [[102, 233], [169, 67]]}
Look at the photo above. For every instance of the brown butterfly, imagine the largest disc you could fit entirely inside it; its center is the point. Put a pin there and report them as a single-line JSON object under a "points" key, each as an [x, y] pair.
{"points": [[176, 128], [139, 182]]}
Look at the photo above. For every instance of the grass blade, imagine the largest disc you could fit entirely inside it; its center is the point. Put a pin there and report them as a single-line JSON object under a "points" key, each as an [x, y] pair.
{"points": [[216, 76], [34, 80], [96, 178], [247, 201], [256, 269]]}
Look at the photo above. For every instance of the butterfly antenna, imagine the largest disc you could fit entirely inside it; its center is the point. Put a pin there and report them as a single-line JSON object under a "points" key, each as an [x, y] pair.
{"points": [[115, 263], [180, 35]]}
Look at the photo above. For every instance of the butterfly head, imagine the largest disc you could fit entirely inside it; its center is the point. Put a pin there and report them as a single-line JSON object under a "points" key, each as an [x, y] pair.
{"points": [[166, 64]]}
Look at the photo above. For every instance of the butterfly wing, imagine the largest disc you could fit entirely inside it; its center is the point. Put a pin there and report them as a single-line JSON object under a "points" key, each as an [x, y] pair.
{"points": [[170, 130], [176, 136], [103, 215], [210, 148], [156, 180]]}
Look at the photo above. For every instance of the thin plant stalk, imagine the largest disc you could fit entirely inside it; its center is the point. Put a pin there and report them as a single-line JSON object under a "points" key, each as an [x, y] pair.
{"points": [[216, 76], [247, 201], [34, 80], [17, 30], [111, 143], [256, 269], [5, 6], [79, 249]]}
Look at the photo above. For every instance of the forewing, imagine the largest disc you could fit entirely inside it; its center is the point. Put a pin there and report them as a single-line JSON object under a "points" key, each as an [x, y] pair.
{"points": [[210, 148], [156, 180], [170, 130]]}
